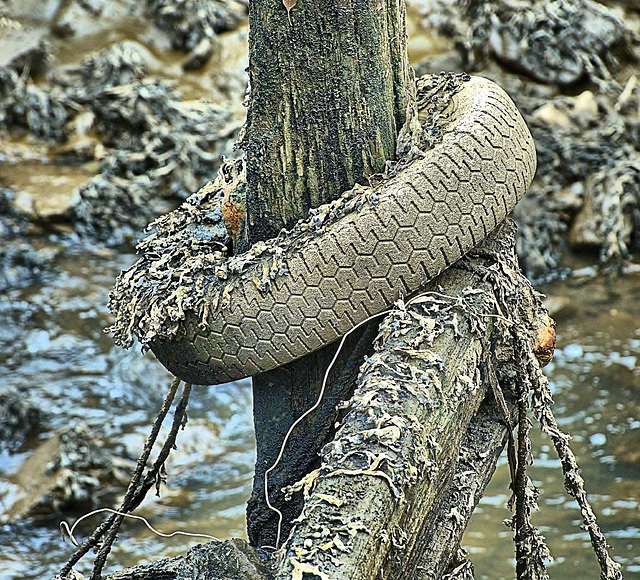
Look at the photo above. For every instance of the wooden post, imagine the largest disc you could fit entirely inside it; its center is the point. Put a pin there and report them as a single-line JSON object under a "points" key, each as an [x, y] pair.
{"points": [[330, 84]]}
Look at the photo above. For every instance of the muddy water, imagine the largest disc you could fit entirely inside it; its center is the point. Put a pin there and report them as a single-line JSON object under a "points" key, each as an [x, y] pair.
{"points": [[53, 350], [51, 343]]}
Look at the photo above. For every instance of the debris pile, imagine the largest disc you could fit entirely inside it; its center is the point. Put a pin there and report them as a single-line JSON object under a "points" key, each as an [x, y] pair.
{"points": [[27, 109], [162, 148], [587, 190], [192, 21], [581, 105]]}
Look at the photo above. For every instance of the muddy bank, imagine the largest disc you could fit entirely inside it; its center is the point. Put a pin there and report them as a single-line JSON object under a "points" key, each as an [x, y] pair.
{"points": [[90, 93], [572, 69]]}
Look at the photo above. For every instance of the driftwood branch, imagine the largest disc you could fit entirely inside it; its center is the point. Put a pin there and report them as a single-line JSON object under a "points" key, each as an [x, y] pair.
{"points": [[418, 441]]}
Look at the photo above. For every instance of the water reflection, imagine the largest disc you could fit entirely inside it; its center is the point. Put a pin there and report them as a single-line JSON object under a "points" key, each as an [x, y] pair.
{"points": [[595, 378]]}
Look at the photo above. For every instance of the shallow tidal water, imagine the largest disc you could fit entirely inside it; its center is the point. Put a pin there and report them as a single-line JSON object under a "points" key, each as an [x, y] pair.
{"points": [[52, 348]]}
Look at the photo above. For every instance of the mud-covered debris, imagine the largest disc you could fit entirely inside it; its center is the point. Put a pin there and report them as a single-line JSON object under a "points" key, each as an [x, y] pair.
{"points": [[19, 418], [610, 216], [21, 264], [163, 148], [559, 42], [70, 471], [119, 64], [12, 221], [188, 22], [27, 109], [113, 210], [177, 143], [200, 55], [126, 112], [587, 186]]}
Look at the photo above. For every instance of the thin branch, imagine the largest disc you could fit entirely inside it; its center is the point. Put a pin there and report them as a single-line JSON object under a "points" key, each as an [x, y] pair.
{"points": [[150, 479], [95, 537], [573, 482]]}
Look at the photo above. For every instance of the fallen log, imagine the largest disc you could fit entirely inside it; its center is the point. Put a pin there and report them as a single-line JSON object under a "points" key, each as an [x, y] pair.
{"points": [[419, 440]]}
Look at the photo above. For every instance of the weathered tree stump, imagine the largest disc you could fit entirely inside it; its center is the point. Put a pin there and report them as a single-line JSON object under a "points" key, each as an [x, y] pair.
{"points": [[330, 85]]}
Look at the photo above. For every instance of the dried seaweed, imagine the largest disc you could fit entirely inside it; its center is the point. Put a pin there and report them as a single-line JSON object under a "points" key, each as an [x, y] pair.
{"points": [[185, 266], [560, 42], [25, 108], [587, 186], [190, 21], [164, 147]]}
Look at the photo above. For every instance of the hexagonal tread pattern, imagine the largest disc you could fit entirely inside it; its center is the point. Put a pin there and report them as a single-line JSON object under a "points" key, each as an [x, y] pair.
{"points": [[426, 218]]}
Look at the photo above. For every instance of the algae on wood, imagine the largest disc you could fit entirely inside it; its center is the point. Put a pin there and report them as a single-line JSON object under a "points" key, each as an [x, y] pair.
{"points": [[330, 83]]}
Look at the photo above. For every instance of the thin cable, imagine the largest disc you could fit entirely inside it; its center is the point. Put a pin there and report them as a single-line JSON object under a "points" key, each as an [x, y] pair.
{"points": [[64, 526], [317, 404], [299, 419]]}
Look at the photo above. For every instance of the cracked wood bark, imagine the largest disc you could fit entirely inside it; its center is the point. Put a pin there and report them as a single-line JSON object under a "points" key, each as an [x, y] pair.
{"points": [[330, 83]]}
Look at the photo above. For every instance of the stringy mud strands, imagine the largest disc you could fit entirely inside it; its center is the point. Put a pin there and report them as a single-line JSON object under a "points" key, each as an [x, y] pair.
{"points": [[185, 264]]}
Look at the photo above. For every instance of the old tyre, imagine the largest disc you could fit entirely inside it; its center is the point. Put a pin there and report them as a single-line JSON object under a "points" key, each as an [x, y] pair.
{"points": [[426, 217]]}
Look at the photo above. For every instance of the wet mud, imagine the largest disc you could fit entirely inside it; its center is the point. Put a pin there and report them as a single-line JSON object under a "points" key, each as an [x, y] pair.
{"points": [[112, 112]]}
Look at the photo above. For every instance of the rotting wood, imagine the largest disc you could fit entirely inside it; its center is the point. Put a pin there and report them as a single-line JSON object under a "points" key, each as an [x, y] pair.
{"points": [[421, 438], [382, 476], [330, 85]]}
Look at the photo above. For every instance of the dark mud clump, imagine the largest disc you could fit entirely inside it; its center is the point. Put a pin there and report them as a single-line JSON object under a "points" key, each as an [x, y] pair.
{"points": [[70, 471], [21, 263]]}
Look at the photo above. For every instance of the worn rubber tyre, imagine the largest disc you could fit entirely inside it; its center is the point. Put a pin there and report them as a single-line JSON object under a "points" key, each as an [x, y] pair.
{"points": [[427, 216]]}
